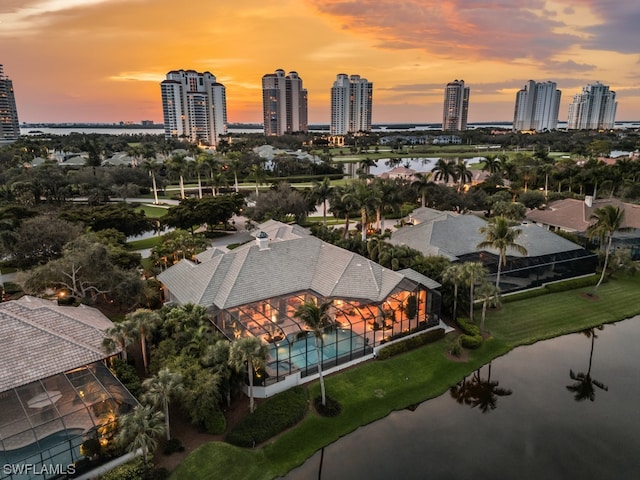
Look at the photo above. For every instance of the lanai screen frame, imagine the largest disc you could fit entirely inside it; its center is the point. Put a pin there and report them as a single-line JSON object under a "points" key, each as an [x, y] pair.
{"points": [[272, 321]]}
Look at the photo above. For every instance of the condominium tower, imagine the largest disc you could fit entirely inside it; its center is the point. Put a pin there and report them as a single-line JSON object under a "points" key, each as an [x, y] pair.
{"points": [[194, 106], [593, 109], [351, 102], [284, 103], [537, 107], [456, 106], [9, 125]]}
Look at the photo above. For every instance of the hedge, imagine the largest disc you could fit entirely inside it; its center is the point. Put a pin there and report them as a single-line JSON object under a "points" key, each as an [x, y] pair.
{"points": [[411, 343], [272, 417]]}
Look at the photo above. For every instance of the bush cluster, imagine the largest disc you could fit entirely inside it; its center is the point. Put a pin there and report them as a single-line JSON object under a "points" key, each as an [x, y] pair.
{"points": [[172, 446], [273, 416], [128, 376], [470, 337], [411, 343], [563, 286]]}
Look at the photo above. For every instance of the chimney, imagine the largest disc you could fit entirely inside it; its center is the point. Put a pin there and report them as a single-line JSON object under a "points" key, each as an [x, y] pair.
{"points": [[262, 240], [588, 200]]}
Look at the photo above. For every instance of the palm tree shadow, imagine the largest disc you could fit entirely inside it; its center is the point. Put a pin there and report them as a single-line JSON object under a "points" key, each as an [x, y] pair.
{"points": [[584, 386], [479, 392]]}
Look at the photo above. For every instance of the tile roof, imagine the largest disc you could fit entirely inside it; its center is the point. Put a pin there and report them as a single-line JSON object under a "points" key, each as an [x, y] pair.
{"points": [[452, 235], [39, 338], [574, 215], [292, 263]]}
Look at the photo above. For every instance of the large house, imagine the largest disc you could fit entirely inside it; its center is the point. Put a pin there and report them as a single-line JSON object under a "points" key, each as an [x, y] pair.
{"points": [[455, 236], [255, 289], [572, 215], [55, 390]]}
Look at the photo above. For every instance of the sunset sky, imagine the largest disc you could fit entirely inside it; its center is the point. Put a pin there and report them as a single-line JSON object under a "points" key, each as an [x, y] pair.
{"points": [[103, 60]]}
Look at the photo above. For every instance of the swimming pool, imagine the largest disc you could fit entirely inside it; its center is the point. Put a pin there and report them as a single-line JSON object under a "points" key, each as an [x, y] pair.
{"points": [[59, 448], [298, 349]]}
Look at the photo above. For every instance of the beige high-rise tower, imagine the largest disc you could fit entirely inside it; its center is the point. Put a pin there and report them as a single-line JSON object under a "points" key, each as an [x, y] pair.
{"points": [[456, 106], [284, 103]]}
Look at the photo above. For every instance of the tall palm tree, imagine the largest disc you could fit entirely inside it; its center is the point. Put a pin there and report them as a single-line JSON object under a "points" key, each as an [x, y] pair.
{"points": [[139, 428], [178, 166], [321, 192], [492, 164], [473, 273], [454, 275], [119, 335], [501, 234], [342, 206], [249, 353], [362, 196], [462, 173], [316, 317], [151, 166], [234, 165], [606, 221], [142, 322], [258, 175], [444, 170], [387, 193], [488, 293], [160, 389], [421, 184]]}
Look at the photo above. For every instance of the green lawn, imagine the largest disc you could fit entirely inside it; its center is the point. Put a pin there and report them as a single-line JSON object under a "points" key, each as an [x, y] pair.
{"points": [[144, 243], [374, 389], [152, 211]]}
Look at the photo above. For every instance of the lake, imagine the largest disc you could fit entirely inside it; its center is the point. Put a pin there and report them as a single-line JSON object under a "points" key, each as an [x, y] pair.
{"points": [[419, 164], [535, 430]]}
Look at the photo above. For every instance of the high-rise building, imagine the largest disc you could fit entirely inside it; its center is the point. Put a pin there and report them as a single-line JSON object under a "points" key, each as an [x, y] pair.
{"points": [[537, 107], [456, 106], [9, 125], [194, 106], [351, 102], [593, 109], [284, 103]]}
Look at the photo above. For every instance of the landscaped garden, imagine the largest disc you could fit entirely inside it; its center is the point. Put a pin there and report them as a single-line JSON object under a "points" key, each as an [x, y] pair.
{"points": [[373, 390]]}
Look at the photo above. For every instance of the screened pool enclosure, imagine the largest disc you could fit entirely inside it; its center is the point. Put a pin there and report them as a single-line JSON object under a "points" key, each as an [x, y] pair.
{"points": [[60, 420], [357, 327]]}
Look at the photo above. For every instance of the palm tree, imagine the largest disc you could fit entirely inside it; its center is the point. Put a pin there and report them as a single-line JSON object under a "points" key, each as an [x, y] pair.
{"points": [[234, 165], [386, 193], [488, 293], [365, 168], [178, 165], [500, 234], [316, 317], [492, 164], [258, 175], [142, 321], [362, 196], [584, 389], [249, 353], [342, 205], [421, 184], [462, 174], [119, 335], [607, 220], [139, 428], [473, 272], [160, 389], [444, 170], [454, 275], [150, 166], [321, 192]]}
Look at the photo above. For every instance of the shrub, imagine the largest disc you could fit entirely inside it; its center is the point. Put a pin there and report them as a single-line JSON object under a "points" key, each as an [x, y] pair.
{"points": [[272, 417], [172, 446], [215, 423], [133, 470], [331, 408], [467, 327], [572, 284], [470, 342], [128, 376], [411, 343]]}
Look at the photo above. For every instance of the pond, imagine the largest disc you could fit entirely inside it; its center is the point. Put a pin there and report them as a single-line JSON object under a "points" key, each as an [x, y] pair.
{"points": [[528, 415], [419, 164]]}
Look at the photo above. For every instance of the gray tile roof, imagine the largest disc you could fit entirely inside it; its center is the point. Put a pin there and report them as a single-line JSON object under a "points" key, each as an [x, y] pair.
{"points": [[299, 262], [38, 339], [453, 235]]}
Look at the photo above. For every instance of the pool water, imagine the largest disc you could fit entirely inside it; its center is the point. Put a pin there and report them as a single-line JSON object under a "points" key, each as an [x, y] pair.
{"points": [[59, 448], [299, 350]]}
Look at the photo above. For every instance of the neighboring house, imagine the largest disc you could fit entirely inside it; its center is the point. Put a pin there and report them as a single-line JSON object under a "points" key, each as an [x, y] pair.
{"points": [[572, 215], [55, 389], [402, 173], [255, 289], [456, 236], [120, 159]]}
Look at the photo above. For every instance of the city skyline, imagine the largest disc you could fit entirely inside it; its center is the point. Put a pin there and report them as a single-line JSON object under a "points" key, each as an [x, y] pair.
{"points": [[102, 60]]}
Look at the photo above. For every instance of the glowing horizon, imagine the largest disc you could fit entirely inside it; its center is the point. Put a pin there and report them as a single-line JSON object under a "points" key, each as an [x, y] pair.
{"points": [[102, 61]]}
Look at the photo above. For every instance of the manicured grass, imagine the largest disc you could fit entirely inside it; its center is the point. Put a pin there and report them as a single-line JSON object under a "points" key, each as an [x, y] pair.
{"points": [[372, 390], [153, 211], [145, 243]]}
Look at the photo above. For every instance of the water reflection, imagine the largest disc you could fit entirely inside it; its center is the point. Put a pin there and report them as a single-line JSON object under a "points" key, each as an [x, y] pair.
{"points": [[584, 386], [479, 392]]}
